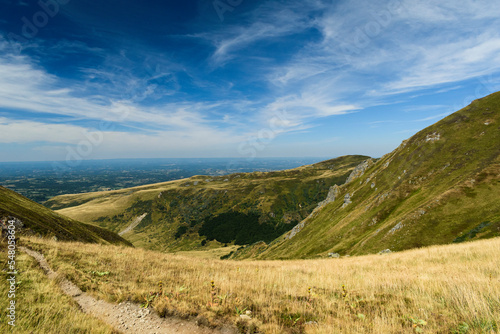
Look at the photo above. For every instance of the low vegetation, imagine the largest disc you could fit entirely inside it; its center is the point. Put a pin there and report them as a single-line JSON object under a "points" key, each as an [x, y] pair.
{"points": [[440, 289], [41, 307], [39, 220], [187, 214]]}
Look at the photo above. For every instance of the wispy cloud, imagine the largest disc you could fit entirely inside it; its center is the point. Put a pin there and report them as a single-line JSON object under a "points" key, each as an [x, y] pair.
{"points": [[270, 20], [203, 87], [24, 87], [394, 49]]}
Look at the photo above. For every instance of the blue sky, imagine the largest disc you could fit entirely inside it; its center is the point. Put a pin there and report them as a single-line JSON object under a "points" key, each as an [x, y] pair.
{"points": [[84, 79]]}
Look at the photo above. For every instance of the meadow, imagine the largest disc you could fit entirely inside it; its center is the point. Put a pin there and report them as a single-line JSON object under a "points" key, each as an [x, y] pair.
{"points": [[41, 307], [439, 289]]}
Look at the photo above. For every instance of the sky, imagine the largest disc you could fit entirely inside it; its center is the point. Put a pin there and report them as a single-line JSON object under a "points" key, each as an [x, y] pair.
{"points": [[83, 79]]}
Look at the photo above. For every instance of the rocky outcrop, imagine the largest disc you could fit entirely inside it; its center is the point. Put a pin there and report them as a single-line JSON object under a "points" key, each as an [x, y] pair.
{"points": [[332, 194], [397, 227], [347, 200], [296, 229], [359, 170], [433, 137]]}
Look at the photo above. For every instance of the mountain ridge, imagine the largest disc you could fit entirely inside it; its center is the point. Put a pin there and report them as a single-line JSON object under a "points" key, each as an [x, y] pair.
{"points": [[439, 186]]}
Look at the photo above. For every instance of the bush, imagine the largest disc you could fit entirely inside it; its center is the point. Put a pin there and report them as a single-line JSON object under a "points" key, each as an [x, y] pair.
{"points": [[181, 230]]}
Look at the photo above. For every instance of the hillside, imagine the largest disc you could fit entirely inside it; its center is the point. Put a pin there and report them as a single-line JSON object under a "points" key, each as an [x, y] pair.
{"points": [[440, 289], [440, 186], [37, 219], [187, 214]]}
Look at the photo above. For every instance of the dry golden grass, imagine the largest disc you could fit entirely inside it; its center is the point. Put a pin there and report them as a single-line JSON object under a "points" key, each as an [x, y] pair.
{"points": [[442, 289], [41, 307], [214, 253]]}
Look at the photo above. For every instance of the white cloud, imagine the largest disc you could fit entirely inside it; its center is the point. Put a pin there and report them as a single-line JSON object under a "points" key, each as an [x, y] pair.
{"points": [[112, 143], [452, 62], [268, 21], [366, 53], [381, 49], [168, 127], [26, 87]]}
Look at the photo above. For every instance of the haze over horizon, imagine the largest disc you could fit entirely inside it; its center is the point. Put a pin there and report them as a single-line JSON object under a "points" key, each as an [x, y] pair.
{"points": [[234, 78]]}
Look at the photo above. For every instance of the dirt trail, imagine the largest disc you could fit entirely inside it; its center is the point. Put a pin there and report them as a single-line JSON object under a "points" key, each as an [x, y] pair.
{"points": [[134, 224], [125, 317]]}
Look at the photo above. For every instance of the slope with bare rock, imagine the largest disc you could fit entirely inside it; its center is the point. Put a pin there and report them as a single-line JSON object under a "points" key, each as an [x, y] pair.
{"points": [[440, 186]]}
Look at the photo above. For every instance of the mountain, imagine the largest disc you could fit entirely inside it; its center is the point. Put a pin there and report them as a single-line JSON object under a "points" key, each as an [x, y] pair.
{"points": [[187, 214], [440, 186], [33, 218]]}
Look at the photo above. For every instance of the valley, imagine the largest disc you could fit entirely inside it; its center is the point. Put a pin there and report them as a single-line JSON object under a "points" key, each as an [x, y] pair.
{"points": [[204, 212]]}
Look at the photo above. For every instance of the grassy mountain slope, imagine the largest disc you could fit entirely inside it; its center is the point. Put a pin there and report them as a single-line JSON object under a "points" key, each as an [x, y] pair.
{"points": [[440, 186], [183, 214], [441, 289], [41, 220]]}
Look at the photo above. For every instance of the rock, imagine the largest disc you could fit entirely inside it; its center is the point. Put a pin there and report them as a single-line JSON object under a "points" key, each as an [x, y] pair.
{"points": [[296, 229], [309, 323], [334, 255], [332, 194], [373, 185], [397, 227], [385, 251], [245, 317], [433, 137], [359, 170], [347, 200]]}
